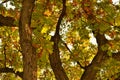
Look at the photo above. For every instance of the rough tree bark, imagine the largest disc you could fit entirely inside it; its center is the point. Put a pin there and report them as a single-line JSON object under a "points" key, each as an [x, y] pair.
{"points": [[54, 58], [28, 51]]}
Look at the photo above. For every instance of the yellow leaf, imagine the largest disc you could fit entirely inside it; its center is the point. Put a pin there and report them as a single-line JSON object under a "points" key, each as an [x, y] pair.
{"points": [[44, 29], [117, 21]]}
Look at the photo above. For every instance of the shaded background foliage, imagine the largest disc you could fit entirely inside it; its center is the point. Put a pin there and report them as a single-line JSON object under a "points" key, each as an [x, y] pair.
{"points": [[83, 20]]}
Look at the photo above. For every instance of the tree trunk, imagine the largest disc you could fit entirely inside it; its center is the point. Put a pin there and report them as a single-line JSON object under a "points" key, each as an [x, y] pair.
{"points": [[28, 51]]}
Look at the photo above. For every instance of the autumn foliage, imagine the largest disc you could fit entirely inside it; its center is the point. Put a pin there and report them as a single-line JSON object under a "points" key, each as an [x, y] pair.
{"points": [[59, 39]]}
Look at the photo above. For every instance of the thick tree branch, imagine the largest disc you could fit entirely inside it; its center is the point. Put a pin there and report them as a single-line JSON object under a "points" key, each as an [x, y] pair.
{"points": [[54, 58], [61, 17], [6, 21], [11, 70], [100, 58], [101, 55], [115, 56]]}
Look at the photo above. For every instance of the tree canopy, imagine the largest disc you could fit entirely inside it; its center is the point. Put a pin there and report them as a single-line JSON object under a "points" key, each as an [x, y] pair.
{"points": [[59, 40]]}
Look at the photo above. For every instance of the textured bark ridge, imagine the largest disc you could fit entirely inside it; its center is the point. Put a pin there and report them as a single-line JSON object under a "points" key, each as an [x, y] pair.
{"points": [[54, 58], [28, 51]]}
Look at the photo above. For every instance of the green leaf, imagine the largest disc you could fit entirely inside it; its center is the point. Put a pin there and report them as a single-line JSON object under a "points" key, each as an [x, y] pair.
{"points": [[109, 53]]}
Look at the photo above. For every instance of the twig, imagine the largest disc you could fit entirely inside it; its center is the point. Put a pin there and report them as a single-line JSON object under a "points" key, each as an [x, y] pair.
{"points": [[67, 47], [4, 1], [4, 52], [80, 65], [72, 53]]}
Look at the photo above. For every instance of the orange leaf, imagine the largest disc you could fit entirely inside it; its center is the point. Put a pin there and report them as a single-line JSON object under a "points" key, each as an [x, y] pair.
{"points": [[47, 12]]}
